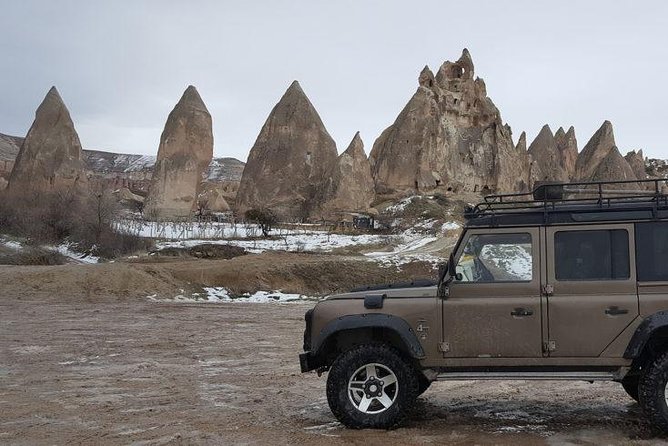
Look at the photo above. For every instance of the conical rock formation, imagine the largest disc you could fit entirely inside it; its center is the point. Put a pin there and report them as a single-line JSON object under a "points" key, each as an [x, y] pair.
{"points": [[544, 152], [211, 199], [351, 186], [600, 160], [598, 147], [50, 155], [614, 168], [449, 135], [185, 151], [288, 165], [637, 162], [567, 146]]}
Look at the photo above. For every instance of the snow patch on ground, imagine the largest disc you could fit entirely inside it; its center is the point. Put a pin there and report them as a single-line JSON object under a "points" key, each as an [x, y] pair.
{"points": [[310, 241], [401, 205], [450, 226], [222, 295], [66, 250], [10, 244]]}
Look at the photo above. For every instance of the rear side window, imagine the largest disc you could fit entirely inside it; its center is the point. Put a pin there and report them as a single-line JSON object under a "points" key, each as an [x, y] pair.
{"points": [[591, 255], [652, 251]]}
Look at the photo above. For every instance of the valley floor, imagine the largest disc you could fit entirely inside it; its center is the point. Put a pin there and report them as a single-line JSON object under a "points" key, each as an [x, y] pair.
{"points": [[75, 371]]}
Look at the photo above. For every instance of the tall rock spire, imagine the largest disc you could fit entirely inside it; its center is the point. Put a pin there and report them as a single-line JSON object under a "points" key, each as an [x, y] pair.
{"points": [[597, 148], [544, 152], [567, 146], [185, 151], [50, 156], [351, 187], [600, 160], [289, 163]]}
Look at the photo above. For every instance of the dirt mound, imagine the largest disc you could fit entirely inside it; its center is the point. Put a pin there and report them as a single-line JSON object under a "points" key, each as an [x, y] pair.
{"points": [[87, 282], [204, 251], [294, 273]]}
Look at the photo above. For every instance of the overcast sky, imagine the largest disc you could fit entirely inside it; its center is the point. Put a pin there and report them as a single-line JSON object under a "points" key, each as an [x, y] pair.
{"points": [[122, 65]]}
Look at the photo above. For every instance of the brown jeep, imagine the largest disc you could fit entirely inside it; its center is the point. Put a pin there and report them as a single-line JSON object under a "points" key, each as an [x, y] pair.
{"points": [[569, 282]]}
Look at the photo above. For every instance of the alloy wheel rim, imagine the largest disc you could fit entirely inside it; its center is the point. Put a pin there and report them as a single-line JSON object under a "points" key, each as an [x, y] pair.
{"points": [[373, 388]]}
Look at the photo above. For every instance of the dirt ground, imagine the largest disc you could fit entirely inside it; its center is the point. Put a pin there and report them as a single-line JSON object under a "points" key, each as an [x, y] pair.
{"points": [[74, 371]]}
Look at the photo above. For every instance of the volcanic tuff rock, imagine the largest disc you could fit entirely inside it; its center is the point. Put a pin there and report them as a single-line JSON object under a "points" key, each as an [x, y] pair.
{"points": [[351, 187], [567, 145], [637, 162], [600, 160], [185, 151], [614, 167], [548, 164], [598, 147], [449, 135], [50, 155], [289, 163], [211, 199]]}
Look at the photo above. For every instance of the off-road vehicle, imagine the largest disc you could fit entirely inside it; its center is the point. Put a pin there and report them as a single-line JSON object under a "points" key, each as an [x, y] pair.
{"points": [[569, 282]]}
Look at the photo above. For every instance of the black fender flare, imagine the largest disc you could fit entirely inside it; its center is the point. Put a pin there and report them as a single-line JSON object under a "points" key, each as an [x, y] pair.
{"points": [[371, 320], [644, 332]]}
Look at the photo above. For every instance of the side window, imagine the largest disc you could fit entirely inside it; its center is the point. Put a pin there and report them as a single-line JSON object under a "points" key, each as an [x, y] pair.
{"points": [[497, 258], [652, 251], [591, 255]]}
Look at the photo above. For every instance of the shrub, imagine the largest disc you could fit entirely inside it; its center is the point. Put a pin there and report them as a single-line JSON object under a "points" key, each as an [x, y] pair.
{"points": [[81, 218], [264, 218], [33, 256]]}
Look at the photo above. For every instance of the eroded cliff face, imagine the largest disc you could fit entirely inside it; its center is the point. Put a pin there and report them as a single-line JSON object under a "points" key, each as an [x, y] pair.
{"points": [[184, 154], [350, 187], [50, 155], [288, 166], [450, 136]]}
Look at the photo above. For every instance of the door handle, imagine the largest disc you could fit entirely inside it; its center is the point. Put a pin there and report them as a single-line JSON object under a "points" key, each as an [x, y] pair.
{"points": [[616, 311], [521, 312]]}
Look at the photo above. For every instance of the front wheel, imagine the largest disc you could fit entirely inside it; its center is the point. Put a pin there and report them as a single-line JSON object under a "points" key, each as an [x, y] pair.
{"points": [[653, 394], [371, 386]]}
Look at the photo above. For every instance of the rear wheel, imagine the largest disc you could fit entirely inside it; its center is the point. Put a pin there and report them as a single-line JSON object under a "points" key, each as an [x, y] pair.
{"points": [[652, 392], [371, 386]]}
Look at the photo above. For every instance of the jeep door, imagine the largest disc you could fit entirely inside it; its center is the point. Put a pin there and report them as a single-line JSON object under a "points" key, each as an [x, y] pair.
{"points": [[494, 310], [591, 287]]}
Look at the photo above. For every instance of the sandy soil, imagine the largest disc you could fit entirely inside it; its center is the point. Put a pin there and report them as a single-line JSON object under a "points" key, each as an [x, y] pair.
{"points": [[138, 372]]}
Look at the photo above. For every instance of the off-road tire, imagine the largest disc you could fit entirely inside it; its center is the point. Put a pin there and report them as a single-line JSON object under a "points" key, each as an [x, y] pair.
{"points": [[343, 369], [652, 392], [630, 385], [423, 384]]}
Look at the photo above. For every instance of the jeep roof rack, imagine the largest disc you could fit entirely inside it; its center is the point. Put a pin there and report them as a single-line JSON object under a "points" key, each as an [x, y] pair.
{"points": [[576, 202]]}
